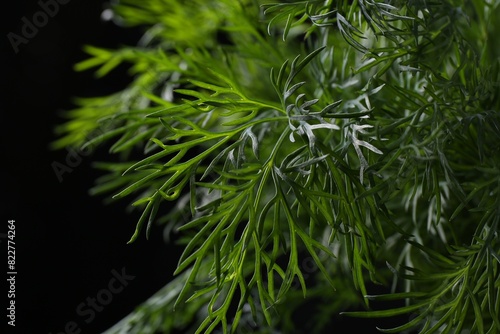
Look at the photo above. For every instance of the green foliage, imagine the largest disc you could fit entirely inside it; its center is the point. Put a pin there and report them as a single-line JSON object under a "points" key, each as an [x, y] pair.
{"points": [[361, 137]]}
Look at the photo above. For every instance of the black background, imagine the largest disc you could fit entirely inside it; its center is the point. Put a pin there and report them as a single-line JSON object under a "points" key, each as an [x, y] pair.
{"points": [[67, 242]]}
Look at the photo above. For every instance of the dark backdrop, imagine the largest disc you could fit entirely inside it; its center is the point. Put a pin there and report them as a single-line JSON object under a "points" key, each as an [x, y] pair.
{"points": [[68, 244]]}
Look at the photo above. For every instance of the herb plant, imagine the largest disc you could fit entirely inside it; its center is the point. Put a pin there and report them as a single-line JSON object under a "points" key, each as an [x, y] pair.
{"points": [[308, 149]]}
